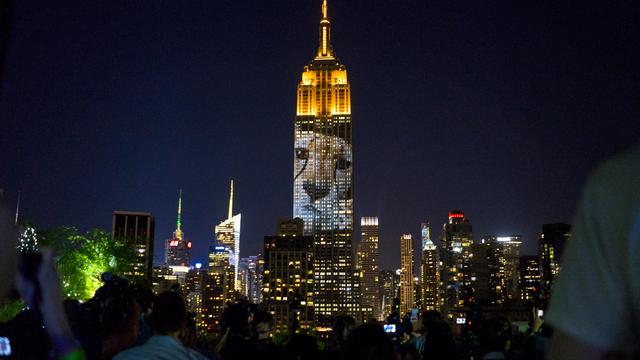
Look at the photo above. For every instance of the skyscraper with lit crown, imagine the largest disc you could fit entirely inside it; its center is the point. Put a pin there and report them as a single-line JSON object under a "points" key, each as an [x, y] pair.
{"points": [[178, 250], [322, 171], [456, 251]]}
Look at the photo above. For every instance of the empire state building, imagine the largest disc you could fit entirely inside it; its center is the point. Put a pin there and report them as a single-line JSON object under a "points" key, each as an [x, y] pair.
{"points": [[322, 175]]}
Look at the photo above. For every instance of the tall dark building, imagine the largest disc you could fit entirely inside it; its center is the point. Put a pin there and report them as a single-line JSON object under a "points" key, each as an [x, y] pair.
{"points": [[529, 278], [482, 274], [390, 290], [288, 276], [503, 255], [137, 228], [250, 277], [456, 258], [551, 245], [322, 184]]}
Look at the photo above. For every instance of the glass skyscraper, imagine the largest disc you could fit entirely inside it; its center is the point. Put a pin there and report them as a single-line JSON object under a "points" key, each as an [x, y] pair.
{"points": [[228, 235], [322, 170]]}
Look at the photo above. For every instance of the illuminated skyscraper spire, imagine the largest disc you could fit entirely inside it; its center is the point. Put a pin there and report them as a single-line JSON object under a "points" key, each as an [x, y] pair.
{"points": [[231, 202], [178, 234], [325, 50], [17, 209], [228, 236]]}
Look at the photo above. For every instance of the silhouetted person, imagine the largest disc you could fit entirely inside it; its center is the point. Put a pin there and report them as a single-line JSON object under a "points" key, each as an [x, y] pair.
{"points": [[495, 339], [168, 320], [439, 343], [595, 303], [342, 325], [369, 342], [428, 318], [302, 347]]}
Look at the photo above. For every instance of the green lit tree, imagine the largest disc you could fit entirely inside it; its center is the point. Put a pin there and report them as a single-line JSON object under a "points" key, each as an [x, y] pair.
{"points": [[82, 258]]}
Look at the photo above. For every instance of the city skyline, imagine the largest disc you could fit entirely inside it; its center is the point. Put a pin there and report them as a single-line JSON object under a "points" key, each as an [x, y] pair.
{"points": [[72, 173]]}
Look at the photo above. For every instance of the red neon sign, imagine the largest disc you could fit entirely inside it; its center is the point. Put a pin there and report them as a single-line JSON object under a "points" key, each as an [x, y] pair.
{"points": [[173, 243], [189, 244]]}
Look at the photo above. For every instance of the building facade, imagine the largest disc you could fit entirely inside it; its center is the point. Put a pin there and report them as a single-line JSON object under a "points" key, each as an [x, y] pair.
{"points": [[228, 235], [193, 290], [389, 289], [407, 300], [430, 271], [250, 278], [137, 228], [529, 279], [503, 256], [288, 281], [551, 245], [218, 288], [456, 253], [481, 274], [367, 266], [322, 175]]}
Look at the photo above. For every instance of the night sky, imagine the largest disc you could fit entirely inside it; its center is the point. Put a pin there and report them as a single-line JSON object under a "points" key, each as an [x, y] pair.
{"points": [[499, 109]]}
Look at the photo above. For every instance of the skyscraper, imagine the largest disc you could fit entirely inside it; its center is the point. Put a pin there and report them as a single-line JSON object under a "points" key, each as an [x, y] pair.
{"points": [[511, 252], [551, 246], [503, 258], [529, 278], [218, 287], [456, 256], [178, 250], [228, 236], [195, 281], [322, 183], [137, 228], [406, 277], [430, 271], [389, 288], [367, 265], [288, 276], [250, 278], [481, 274]]}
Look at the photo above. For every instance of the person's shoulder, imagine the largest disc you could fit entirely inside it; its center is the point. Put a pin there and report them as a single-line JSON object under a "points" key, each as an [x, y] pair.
{"points": [[155, 347], [613, 184], [134, 353], [620, 168]]}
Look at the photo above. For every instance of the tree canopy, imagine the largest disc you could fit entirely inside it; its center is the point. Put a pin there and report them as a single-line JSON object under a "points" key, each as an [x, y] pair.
{"points": [[82, 258]]}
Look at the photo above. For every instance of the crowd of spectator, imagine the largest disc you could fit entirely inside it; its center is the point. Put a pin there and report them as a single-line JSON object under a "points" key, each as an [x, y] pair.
{"points": [[126, 321]]}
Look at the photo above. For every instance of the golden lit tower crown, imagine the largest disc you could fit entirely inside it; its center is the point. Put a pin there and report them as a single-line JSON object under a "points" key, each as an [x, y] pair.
{"points": [[322, 185], [327, 74]]}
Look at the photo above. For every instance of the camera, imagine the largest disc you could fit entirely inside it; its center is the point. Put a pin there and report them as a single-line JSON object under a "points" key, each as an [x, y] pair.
{"points": [[390, 328]]}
